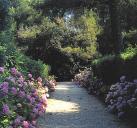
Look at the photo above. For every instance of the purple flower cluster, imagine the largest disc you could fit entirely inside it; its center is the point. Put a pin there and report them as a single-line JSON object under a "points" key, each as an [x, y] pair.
{"points": [[10, 79], [82, 78], [22, 97], [85, 79], [14, 71], [21, 94], [39, 79], [13, 90], [21, 122], [4, 87], [122, 97], [29, 75], [1, 70], [5, 109]]}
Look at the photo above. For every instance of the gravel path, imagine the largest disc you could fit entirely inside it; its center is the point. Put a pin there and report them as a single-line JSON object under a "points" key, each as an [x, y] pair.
{"points": [[71, 107]]}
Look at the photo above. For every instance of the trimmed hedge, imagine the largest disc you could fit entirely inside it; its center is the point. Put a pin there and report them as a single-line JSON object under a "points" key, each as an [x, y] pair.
{"points": [[111, 67]]}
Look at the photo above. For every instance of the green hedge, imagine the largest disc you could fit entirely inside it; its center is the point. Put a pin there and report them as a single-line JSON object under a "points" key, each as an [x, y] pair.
{"points": [[109, 68], [37, 68], [15, 58]]}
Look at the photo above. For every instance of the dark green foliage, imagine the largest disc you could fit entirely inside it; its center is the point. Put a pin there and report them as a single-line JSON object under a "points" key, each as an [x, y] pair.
{"points": [[116, 36], [38, 68], [110, 68], [68, 4], [14, 58], [4, 4], [10, 54], [47, 32], [56, 38], [2, 56]]}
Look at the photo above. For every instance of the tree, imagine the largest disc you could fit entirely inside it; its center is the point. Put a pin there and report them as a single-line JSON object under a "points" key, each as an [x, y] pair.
{"points": [[3, 13], [115, 25]]}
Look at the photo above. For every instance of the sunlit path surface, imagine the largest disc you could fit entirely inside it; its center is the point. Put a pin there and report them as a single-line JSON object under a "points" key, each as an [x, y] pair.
{"points": [[71, 107]]}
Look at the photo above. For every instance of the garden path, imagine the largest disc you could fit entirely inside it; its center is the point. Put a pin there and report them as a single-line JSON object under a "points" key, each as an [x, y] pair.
{"points": [[72, 107]]}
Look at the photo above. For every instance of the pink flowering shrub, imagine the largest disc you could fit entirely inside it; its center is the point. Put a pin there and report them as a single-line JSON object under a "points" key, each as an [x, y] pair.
{"points": [[122, 98], [22, 99], [83, 78], [86, 79], [51, 83]]}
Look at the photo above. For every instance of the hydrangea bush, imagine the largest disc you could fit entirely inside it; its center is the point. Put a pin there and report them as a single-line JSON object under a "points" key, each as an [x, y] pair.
{"points": [[51, 83], [122, 98], [86, 79], [22, 99], [83, 78]]}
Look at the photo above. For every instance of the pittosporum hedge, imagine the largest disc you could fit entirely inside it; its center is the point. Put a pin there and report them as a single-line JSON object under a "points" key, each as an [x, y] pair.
{"points": [[111, 67]]}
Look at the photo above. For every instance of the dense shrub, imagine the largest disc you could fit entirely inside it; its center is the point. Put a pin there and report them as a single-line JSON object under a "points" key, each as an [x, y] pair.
{"points": [[130, 37], [11, 55], [110, 68], [38, 68], [75, 37], [86, 79], [83, 78], [23, 100], [51, 83], [14, 58], [122, 98], [2, 56]]}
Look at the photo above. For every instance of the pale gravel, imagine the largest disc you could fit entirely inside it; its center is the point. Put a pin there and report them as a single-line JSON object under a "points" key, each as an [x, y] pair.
{"points": [[72, 107]]}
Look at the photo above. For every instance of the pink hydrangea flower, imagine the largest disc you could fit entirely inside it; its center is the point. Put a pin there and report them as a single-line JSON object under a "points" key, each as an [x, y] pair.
{"points": [[32, 100], [28, 97], [5, 87], [19, 74], [34, 122], [5, 109], [21, 80], [39, 106], [31, 83], [21, 94], [39, 84], [36, 111], [35, 94], [17, 121], [13, 71], [25, 124], [44, 97], [33, 90], [1, 70], [13, 90], [30, 75], [39, 79]]}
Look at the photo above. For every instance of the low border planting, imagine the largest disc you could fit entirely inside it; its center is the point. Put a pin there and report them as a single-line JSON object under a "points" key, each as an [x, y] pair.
{"points": [[122, 98], [23, 99]]}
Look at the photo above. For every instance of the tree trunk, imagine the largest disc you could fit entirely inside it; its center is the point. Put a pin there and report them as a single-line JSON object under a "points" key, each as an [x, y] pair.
{"points": [[115, 26], [3, 13]]}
